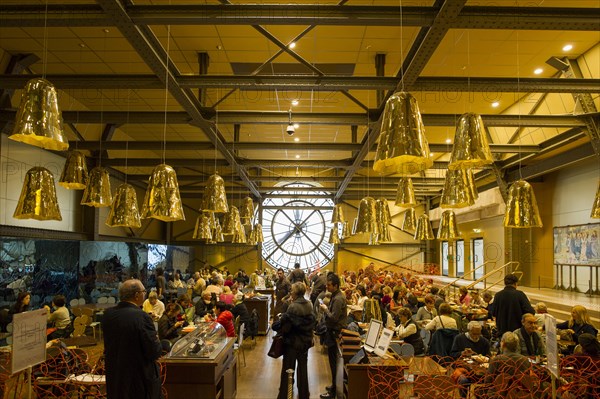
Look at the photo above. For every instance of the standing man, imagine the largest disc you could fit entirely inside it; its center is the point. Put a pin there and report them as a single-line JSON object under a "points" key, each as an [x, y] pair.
{"points": [[282, 289], [297, 275], [131, 347], [510, 305], [335, 320]]}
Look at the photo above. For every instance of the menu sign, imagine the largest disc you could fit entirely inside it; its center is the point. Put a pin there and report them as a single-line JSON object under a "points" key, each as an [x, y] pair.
{"points": [[29, 339], [551, 344]]}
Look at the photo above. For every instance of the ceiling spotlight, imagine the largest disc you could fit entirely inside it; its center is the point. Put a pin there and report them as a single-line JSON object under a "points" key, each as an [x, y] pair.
{"points": [[295, 102], [296, 139], [290, 129], [296, 126], [495, 104], [292, 45], [538, 71], [568, 47], [297, 156], [431, 154], [448, 141]]}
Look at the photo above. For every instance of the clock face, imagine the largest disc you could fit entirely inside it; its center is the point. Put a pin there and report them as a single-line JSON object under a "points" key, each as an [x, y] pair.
{"points": [[297, 230]]}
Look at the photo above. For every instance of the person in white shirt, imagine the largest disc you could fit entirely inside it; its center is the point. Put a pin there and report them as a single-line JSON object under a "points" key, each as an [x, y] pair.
{"points": [[444, 320], [153, 306]]}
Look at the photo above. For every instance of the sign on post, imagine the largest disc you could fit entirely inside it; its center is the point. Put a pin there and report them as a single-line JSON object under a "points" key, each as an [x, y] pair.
{"points": [[551, 344], [29, 339]]}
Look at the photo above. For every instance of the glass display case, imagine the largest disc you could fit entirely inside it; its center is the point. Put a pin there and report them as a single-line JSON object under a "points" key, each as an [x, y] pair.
{"points": [[206, 341]]}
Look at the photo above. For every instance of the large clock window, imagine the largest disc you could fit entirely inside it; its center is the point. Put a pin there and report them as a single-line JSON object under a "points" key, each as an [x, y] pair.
{"points": [[296, 229]]}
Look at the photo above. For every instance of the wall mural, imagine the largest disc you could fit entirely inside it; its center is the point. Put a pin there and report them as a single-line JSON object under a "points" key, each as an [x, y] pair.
{"points": [[577, 245]]}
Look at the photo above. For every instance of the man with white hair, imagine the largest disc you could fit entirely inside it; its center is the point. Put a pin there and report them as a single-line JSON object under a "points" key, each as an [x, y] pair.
{"points": [[470, 342], [153, 306], [531, 343], [510, 361]]}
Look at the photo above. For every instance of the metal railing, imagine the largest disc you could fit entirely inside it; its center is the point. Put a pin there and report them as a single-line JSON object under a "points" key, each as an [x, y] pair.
{"points": [[483, 278]]}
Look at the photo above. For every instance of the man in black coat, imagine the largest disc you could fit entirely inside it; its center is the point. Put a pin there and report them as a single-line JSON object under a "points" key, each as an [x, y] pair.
{"points": [[131, 347], [510, 305]]}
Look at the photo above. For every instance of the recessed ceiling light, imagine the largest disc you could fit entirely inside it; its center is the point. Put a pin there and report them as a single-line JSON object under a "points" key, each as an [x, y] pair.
{"points": [[537, 71], [296, 139], [448, 141], [294, 102], [568, 47], [296, 126], [297, 156], [495, 104], [292, 44], [431, 154], [476, 230]]}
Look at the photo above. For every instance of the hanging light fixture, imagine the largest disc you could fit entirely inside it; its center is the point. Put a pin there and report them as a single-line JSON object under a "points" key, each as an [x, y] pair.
{"points": [[124, 210], [367, 216], [258, 233], [345, 230], [596, 207], [162, 200], [471, 148], [402, 146], [334, 238], [230, 220], [448, 229], [247, 210], [338, 214], [217, 232], [74, 174], [239, 234], [39, 121], [202, 231], [384, 218], [424, 230], [354, 225], [521, 207], [250, 233], [97, 192], [410, 220], [459, 190], [405, 196], [38, 196], [214, 198]]}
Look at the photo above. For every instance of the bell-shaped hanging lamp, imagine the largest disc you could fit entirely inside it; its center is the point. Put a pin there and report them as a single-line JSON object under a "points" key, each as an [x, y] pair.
{"points": [[258, 231], [214, 198], [367, 216], [250, 234], [124, 211], [345, 230], [521, 207], [202, 231], [38, 196], [384, 233], [217, 232], [338, 214], [405, 196], [402, 146], [239, 233], [424, 230], [162, 200], [230, 220], [97, 192], [457, 192], [471, 148], [334, 237], [354, 226], [448, 229], [247, 210], [595, 213], [410, 220], [75, 174], [384, 216], [373, 239], [39, 121]]}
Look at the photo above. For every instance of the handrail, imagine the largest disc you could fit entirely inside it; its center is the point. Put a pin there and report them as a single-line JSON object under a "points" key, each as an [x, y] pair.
{"points": [[493, 271], [469, 272]]}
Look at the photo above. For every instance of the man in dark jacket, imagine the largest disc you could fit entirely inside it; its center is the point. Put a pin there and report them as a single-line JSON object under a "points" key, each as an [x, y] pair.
{"points": [[297, 275], [282, 289], [296, 325], [131, 347], [510, 305]]}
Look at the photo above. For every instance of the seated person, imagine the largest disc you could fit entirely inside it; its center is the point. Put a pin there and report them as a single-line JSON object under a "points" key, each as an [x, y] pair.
{"points": [[241, 310], [205, 305], [186, 309], [225, 318], [153, 306], [463, 298], [470, 342], [444, 320], [578, 324], [540, 310], [530, 341], [588, 346], [510, 362], [59, 318], [226, 296], [427, 312], [476, 299], [409, 331], [168, 325]]}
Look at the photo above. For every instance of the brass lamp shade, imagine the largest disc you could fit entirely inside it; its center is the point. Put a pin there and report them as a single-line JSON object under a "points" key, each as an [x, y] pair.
{"points": [[596, 207], [459, 190], [410, 220], [162, 200], [38, 196], [39, 121], [250, 235], [247, 209], [521, 207], [338, 214], [384, 216], [334, 238], [214, 198], [367, 216], [471, 148], [75, 174], [97, 192], [448, 230], [424, 230], [405, 196], [239, 234], [231, 219], [345, 230], [402, 146], [217, 232], [384, 233], [202, 231], [124, 211], [354, 225]]}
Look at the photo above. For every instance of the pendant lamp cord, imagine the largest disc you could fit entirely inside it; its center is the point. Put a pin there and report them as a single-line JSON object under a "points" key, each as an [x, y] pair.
{"points": [[45, 42], [519, 96], [164, 143], [401, 48]]}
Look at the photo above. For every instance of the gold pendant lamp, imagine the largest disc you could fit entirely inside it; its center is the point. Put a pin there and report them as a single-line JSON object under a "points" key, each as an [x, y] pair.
{"points": [[596, 207], [410, 220], [250, 234], [217, 232], [38, 196], [345, 230], [405, 196], [402, 146], [367, 216], [162, 200], [75, 174], [334, 237], [97, 192], [471, 148], [39, 121], [521, 207], [354, 225], [124, 211], [383, 211], [214, 198], [229, 222], [338, 214], [424, 230], [239, 234], [459, 190], [374, 239], [247, 210], [202, 231], [258, 233], [448, 230]]}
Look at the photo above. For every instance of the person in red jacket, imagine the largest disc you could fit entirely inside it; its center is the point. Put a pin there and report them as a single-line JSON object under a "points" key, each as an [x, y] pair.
{"points": [[225, 318]]}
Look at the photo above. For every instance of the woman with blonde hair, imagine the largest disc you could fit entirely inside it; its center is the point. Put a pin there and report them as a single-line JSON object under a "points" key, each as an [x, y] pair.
{"points": [[578, 324]]}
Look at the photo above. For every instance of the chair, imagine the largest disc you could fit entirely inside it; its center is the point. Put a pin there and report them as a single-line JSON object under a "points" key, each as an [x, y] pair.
{"points": [[407, 350], [79, 325], [426, 337], [74, 302], [239, 345], [81, 301], [103, 300], [111, 299]]}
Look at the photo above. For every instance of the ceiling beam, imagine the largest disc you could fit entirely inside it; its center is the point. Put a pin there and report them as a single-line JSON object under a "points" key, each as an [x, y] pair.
{"points": [[474, 17]]}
